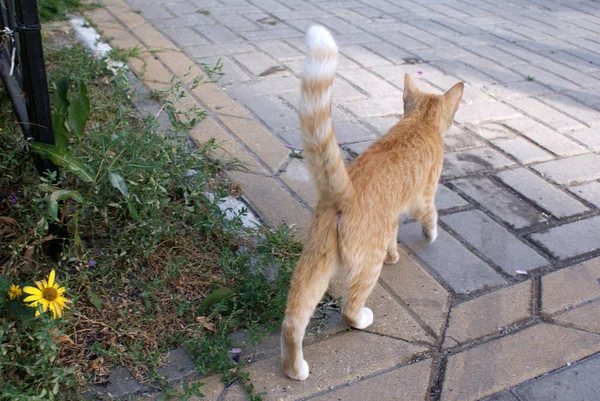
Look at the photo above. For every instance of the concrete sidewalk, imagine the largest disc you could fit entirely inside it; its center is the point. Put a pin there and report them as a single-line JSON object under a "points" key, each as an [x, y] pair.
{"points": [[511, 288]]}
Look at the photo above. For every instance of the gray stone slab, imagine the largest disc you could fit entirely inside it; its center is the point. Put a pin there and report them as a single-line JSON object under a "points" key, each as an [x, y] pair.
{"points": [[579, 382], [504, 396], [503, 204], [542, 193], [456, 265], [590, 192], [445, 198], [359, 147], [352, 132], [457, 139], [494, 241], [571, 170], [457, 164], [571, 239], [120, 384], [179, 364], [522, 150]]}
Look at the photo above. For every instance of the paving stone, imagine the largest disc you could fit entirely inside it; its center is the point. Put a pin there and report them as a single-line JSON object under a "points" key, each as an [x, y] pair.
{"points": [[232, 72], [504, 396], [545, 137], [393, 53], [280, 50], [392, 319], [369, 83], [257, 63], [473, 160], [236, 22], [455, 264], [492, 131], [211, 388], [494, 70], [464, 72], [553, 81], [298, 178], [571, 170], [590, 192], [218, 101], [273, 112], [494, 242], [571, 239], [578, 382], [419, 291], [590, 137], [272, 85], [471, 95], [121, 383], [551, 117], [271, 201], [254, 135], [333, 362], [382, 124], [178, 365], [284, 33], [586, 317], [373, 107], [497, 55], [217, 34], [218, 50], [503, 204], [235, 393], [543, 194], [447, 199], [489, 314], [515, 90], [359, 147], [522, 150], [570, 286], [190, 20], [458, 139], [412, 381], [476, 114], [499, 364], [351, 132], [573, 109]]}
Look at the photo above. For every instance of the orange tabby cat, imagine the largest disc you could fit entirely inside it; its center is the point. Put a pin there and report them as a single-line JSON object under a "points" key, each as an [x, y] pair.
{"points": [[355, 222]]}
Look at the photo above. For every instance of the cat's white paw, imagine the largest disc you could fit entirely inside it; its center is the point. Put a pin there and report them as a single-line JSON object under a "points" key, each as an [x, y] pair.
{"points": [[365, 318], [430, 235], [302, 373]]}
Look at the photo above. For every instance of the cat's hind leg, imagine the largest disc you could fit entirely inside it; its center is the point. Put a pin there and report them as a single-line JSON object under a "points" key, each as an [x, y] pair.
{"points": [[308, 286], [362, 282]]}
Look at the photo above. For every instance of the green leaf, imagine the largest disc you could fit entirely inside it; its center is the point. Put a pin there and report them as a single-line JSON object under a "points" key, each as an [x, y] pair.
{"points": [[217, 295], [63, 159], [61, 133], [79, 110], [95, 299], [60, 195], [144, 166], [132, 211], [21, 311], [60, 96], [117, 181]]}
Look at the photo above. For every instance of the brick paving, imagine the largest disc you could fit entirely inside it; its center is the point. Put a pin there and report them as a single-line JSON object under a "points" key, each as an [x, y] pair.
{"points": [[510, 290]]}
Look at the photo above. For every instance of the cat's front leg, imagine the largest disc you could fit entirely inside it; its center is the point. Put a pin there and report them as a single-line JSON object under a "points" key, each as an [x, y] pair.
{"points": [[427, 215]]}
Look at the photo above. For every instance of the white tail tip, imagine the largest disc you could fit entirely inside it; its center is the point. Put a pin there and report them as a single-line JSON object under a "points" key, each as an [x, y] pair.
{"points": [[318, 37]]}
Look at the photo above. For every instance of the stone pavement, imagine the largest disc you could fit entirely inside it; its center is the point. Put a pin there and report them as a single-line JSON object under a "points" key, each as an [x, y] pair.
{"points": [[510, 290]]}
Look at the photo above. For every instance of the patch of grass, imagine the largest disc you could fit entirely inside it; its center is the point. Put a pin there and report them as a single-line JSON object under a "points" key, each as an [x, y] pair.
{"points": [[123, 55], [203, 12], [530, 78], [150, 260], [51, 10]]}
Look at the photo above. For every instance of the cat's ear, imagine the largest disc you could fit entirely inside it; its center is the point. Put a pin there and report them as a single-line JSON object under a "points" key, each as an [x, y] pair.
{"points": [[410, 89], [454, 95]]}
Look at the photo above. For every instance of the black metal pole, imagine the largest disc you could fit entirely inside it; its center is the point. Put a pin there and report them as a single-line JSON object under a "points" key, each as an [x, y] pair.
{"points": [[35, 83]]}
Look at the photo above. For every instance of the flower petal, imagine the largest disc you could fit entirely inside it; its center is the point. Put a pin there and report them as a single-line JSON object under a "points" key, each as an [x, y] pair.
{"points": [[32, 298], [32, 291], [51, 278], [60, 290]]}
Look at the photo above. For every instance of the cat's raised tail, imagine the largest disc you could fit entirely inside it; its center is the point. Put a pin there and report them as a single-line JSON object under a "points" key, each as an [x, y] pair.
{"points": [[320, 146]]}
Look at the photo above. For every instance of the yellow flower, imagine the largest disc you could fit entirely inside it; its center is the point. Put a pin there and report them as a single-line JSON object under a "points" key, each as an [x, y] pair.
{"points": [[14, 292], [48, 294]]}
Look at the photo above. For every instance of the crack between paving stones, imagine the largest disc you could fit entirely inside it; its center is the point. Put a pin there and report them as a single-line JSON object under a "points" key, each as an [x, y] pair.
{"points": [[410, 311], [555, 323]]}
